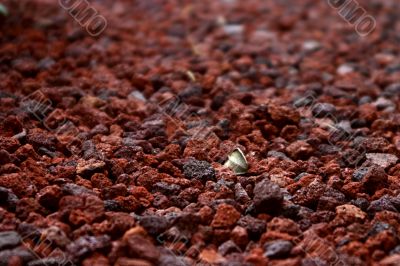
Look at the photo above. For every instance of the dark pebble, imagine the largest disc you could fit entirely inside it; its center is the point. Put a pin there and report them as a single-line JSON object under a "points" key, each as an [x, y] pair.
{"points": [[87, 244], [112, 205], [23, 254], [379, 227], [277, 248], [28, 231], [392, 90], [268, 196], [4, 195], [201, 170], [228, 247], [382, 204], [166, 189], [154, 225], [396, 250], [9, 239], [255, 227], [76, 190], [364, 100], [361, 203]]}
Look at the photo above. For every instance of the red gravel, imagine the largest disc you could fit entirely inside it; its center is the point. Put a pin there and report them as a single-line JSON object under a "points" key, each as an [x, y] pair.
{"points": [[97, 166]]}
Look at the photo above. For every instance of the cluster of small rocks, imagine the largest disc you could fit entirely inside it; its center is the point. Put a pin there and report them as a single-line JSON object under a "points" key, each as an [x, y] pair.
{"points": [[140, 181]]}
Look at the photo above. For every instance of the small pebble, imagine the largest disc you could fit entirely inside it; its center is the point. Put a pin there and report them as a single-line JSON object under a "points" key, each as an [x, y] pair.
{"points": [[225, 216], [201, 170], [9, 239], [323, 110], [268, 196], [277, 248]]}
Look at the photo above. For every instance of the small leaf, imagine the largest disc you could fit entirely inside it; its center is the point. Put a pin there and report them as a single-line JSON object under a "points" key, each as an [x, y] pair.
{"points": [[237, 162], [3, 10]]}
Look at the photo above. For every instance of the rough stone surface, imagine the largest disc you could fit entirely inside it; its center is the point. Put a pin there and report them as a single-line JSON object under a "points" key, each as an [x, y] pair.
{"points": [[87, 244], [141, 247], [268, 196], [225, 216], [278, 248], [9, 239], [112, 146], [200, 170]]}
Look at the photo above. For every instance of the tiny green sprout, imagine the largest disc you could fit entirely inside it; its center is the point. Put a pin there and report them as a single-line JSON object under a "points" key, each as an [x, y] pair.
{"points": [[237, 162], [3, 10]]}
